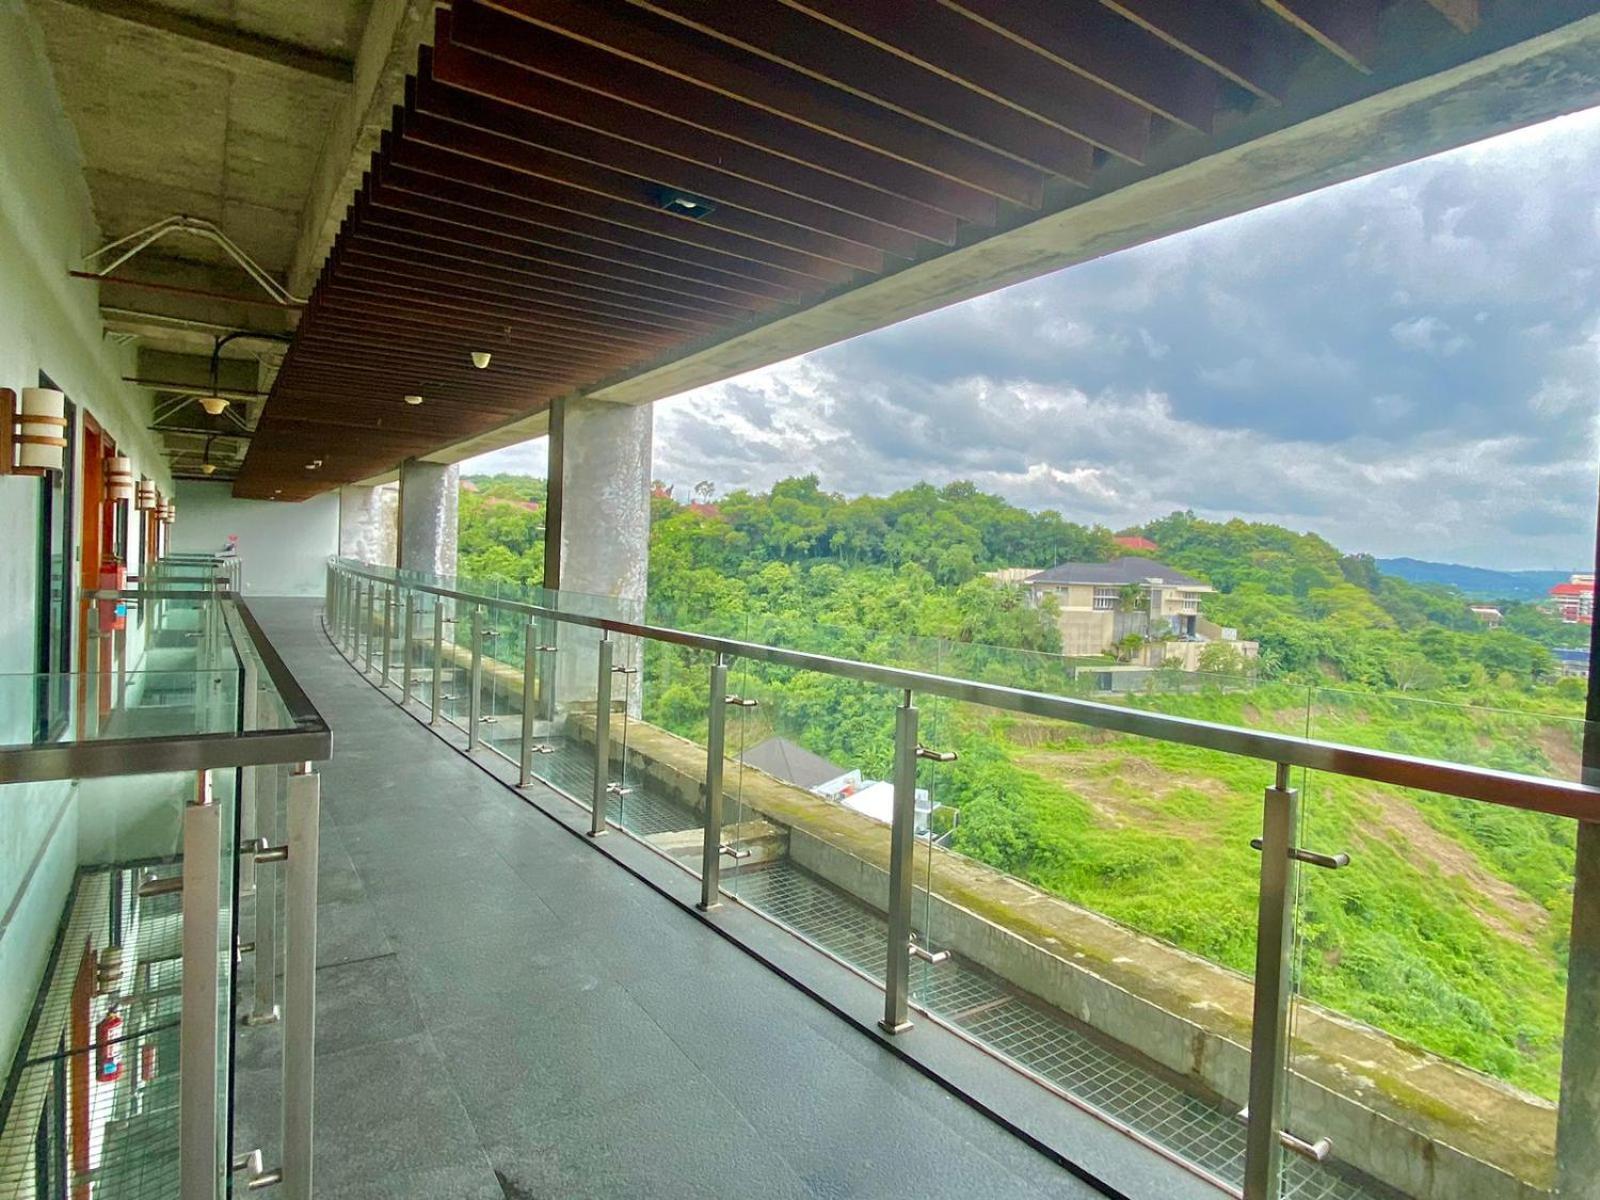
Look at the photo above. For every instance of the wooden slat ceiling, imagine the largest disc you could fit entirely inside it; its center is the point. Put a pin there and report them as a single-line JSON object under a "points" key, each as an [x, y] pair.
{"points": [[518, 204]]}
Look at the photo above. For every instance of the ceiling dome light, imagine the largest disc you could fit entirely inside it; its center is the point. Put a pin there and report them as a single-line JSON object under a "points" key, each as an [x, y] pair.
{"points": [[480, 359], [214, 405], [418, 399]]}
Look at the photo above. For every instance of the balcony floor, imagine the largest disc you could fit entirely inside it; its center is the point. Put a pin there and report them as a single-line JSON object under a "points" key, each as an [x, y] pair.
{"points": [[505, 1013]]}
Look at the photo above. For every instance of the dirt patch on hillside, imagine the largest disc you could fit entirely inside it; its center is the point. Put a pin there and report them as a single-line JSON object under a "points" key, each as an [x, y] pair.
{"points": [[1502, 906], [1105, 779]]}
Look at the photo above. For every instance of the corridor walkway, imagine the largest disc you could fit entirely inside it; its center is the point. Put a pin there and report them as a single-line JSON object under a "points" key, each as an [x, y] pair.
{"points": [[506, 1013]]}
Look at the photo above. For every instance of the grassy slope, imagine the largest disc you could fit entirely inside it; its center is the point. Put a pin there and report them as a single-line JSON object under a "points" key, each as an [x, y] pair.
{"points": [[1449, 928]]}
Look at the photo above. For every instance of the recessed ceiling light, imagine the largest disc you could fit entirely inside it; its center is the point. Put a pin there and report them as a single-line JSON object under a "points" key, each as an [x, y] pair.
{"points": [[418, 399], [480, 359], [314, 464], [682, 204], [214, 405]]}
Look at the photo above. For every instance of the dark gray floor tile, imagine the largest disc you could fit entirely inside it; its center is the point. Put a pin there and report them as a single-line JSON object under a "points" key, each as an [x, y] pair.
{"points": [[348, 929], [504, 974], [688, 1144], [386, 1112], [583, 1053]]}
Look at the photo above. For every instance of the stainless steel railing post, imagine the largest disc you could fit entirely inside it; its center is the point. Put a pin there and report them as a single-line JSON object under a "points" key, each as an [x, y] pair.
{"points": [[716, 737], [409, 619], [303, 804], [1269, 1037], [390, 606], [530, 667], [475, 696], [902, 841], [368, 622], [199, 1035], [264, 959], [602, 739], [436, 694], [352, 602]]}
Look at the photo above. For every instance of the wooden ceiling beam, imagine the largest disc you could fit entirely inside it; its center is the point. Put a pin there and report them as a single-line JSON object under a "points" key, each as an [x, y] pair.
{"points": [[589, 187], [543, 205], [1463, 14], [493, 298], [427, 329], [1086, 37], [458, 67], [743, 206], [638, 87], [1236, 38], [488, 331], [1348, 28], [408, 227], [543, 275], [832, 53], [510, 317], [359, 344], [672, 50]]}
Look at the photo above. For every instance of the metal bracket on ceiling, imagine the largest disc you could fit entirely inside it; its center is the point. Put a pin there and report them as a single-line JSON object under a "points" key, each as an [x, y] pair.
{"points": [[141, 239]]}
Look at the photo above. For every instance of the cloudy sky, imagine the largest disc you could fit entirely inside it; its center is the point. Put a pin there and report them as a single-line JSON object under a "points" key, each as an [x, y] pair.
{"points": [[1406, 364]]}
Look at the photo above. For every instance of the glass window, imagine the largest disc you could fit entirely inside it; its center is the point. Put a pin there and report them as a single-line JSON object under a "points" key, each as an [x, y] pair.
{"points": [[53, 604], [1105, 598]]}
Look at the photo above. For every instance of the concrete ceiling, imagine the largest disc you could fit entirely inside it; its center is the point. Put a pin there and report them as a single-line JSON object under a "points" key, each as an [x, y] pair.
{"points": [[879, 165], [233, 112]]}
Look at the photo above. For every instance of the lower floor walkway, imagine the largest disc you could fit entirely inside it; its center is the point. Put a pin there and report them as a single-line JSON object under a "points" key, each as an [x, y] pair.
{"points": [[505, 1013]]}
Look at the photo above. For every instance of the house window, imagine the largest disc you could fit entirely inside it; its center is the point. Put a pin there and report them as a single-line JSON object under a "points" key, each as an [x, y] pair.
{"points": [[1189, 601], [1106, 598]]}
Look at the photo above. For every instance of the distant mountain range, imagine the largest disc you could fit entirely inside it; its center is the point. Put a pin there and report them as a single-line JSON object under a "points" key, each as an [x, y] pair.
{"points": [[1477, 582]]}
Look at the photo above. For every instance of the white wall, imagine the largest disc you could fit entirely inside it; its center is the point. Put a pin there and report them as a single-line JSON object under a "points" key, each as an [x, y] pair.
{"points": [[285, 547], [48, 322]]}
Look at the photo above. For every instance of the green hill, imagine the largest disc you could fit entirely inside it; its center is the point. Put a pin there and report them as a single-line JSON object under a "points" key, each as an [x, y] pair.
{"points": [[1449, 929]]}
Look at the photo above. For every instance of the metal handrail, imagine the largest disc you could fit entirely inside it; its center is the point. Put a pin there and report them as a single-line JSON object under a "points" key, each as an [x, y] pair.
{"points": [[308, 740], [1512, 789]]}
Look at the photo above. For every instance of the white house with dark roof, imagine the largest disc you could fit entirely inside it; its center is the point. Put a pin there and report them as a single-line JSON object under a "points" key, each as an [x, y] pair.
{"points": [[1100, 603]]}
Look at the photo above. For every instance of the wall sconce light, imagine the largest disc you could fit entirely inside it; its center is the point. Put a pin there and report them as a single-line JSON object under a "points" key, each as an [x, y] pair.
{"points": [[144, 495], [32, 433], [119, 478], [169, 512]]}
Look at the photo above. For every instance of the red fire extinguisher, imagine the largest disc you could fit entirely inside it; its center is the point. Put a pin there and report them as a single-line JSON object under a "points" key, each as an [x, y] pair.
{"points": [[107, 1062]]}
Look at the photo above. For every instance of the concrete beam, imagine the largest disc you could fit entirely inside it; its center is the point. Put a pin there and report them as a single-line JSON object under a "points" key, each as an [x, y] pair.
{"points": [[1273, 154], [388, 52], [287, 55]]}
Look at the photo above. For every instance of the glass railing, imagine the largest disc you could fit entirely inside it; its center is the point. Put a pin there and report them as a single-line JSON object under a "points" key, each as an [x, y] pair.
{"points": [[162, 785], [1302, 942]]}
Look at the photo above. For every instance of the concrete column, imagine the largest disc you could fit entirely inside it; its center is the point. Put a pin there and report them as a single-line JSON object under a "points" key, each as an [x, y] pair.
{"points": [[430, 496], [597, 529], [603, 454], [367, 524]]}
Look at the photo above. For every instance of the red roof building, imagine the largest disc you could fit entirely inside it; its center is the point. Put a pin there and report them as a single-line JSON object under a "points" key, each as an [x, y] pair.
{"points": [[1136, 543], [1574, 600]]}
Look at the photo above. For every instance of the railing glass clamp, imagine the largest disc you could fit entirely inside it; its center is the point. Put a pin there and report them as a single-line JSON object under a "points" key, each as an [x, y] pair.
{"points": [[733, 852], [931, 957], [943, 756], [1330, 862], [741, 702]]}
